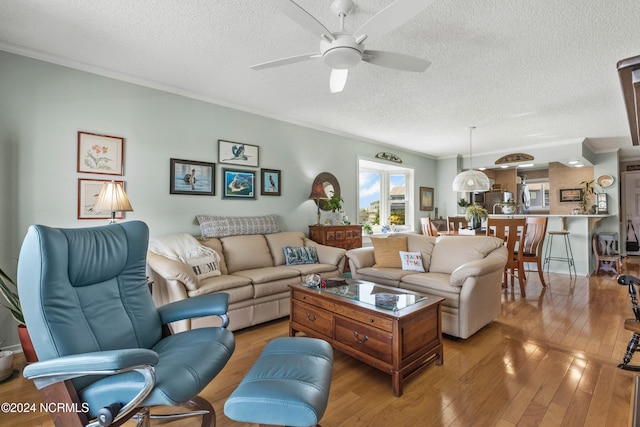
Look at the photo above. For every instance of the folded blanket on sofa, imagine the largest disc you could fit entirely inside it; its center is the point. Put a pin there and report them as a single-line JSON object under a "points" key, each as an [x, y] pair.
{"points": [[180, 247]]}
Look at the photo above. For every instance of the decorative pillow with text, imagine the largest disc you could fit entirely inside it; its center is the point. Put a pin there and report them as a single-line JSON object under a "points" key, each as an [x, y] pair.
{"points": [[411, 261]]}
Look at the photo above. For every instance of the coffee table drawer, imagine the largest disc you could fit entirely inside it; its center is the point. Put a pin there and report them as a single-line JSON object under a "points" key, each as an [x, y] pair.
{"points": [[313, 300], [364, 338], [313, 318]]}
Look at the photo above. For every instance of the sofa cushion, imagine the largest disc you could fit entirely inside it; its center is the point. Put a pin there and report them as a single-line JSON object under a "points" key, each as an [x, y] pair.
{"points": [[411, 261], [277, 241], [305, 269], [384, 273], [222, 226], [450, 252], [387, 251], [436, 284], [225, 283], [246, 252], [216, 245], [424, 245], [295, 255], [267, 274]]}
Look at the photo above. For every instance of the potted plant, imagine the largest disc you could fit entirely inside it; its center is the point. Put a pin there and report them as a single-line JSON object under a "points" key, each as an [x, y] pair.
{"points": [[508, 207], [587, 191], [476, 213], [7, 287], [462, 205], [334, 204], [367, 228]]}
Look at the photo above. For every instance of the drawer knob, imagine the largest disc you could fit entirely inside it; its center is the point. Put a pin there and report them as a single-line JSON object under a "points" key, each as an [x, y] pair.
{"points": [[361, 341], [311, 318]]}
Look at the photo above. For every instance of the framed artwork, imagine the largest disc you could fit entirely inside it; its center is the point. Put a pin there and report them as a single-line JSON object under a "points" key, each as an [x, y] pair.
{"points": [[236, 153], [570, 194], [426, 199], [88, 190], [100, 154], [191, 177], [270, 180], [238, 184]]}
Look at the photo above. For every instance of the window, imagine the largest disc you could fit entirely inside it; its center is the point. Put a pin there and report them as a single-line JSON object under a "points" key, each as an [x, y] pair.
{"points": [[385, 196]]}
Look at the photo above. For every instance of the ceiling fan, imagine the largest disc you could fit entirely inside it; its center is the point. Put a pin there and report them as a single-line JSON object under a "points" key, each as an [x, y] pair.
{"points": [[341, 50]]}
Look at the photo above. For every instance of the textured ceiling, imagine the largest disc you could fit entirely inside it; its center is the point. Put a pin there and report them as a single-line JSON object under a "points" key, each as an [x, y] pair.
{"points": [[524, 72]]}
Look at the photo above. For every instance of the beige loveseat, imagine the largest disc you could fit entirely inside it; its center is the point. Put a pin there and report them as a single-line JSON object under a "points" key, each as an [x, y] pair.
{"points": [[464, 270], [251, 268]]}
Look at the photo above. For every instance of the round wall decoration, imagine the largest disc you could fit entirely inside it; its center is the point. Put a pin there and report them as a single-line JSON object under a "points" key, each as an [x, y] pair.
{"points": [[605, 181]]}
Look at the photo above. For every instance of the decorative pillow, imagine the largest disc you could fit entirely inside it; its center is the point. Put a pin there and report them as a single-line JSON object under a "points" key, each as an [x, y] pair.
{"points": [[206, 266], [411, 261], [295, 255], [222, 226], [386, 250]]}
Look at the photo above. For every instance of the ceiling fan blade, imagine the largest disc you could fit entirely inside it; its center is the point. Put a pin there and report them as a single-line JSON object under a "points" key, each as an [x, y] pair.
{"points": [[303, 18], [390, 18], [338, 79], [285, 61], [398, 61]]}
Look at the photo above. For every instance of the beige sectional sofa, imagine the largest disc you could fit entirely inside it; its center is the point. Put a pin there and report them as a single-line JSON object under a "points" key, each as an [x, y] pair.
{"points": [[251, 268], [466, 271]]}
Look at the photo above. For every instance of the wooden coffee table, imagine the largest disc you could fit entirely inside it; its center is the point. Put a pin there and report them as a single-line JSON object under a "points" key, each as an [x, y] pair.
{"points": [[391, 329]]}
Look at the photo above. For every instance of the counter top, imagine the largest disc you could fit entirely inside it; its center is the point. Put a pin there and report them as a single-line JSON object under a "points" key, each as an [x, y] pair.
{"points": [[593, 219]]}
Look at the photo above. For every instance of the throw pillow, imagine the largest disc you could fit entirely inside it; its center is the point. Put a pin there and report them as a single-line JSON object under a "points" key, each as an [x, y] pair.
{"points": [[386, 251], [206, 266], [411, 261], [296, 255]]}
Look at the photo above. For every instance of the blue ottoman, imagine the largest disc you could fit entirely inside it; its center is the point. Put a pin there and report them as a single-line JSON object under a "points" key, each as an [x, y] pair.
{"points": [[287, 386]]}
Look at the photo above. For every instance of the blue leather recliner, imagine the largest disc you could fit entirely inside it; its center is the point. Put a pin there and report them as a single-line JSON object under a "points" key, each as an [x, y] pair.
{"points": [[104, 352]]}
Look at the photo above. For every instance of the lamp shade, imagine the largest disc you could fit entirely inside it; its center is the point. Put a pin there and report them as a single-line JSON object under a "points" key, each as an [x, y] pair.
{"points": [[317, 191], [112, 198], [470, 181]]}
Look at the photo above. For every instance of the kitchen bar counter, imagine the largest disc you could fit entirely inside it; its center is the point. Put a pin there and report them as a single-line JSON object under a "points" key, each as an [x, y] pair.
{"points": [[581, 228]]}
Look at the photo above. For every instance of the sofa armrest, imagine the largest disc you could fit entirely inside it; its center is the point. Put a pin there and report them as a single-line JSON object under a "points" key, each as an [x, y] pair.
{"points": [[496, 260], [172, 270], [327, 254], [200, 306], [361, 257]]}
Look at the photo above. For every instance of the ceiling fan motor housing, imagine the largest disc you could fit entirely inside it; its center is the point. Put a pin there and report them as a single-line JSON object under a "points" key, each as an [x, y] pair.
{"points": [[341, 53]]}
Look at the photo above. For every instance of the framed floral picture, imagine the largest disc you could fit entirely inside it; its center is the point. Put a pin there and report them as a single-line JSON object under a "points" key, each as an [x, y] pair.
{"points": [[191, 177], [238, 153], [270, 180], [238, 184], [100, 154], [88, 190]]}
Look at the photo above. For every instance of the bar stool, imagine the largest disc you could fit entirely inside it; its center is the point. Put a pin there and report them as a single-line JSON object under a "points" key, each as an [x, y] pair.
{"points": [[568, 258]]}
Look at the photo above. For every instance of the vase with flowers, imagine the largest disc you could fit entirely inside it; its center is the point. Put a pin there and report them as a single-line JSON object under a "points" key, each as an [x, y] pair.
{"points": [[475, 214]]}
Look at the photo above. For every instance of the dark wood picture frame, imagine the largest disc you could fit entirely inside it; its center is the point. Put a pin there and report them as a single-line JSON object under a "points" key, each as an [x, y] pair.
{"points": [[192, 177], [100, 154], [238, 184], [270, 182], [571, 195], [426, 198]]}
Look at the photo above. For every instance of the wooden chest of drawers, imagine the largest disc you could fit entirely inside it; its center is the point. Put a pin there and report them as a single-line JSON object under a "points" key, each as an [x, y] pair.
{"points": [[339, 236]]}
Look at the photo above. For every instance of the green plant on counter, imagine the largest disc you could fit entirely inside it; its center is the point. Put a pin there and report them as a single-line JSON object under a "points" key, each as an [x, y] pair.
{"points": [[476, 213], [463, 203]]}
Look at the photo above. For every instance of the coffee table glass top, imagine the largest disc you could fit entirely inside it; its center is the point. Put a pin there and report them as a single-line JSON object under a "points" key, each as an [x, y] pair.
{"points": [[376, 295]]}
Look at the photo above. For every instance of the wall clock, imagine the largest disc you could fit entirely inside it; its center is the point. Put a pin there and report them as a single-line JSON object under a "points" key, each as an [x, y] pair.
{"points": [[605, 181]]}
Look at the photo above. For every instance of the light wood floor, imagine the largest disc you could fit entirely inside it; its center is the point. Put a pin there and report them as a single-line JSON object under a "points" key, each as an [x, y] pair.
{"points": [[549, 359]]}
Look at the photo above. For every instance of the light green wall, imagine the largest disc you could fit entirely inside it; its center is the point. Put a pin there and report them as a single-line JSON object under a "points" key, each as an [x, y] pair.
{"points": [[43, 106]]}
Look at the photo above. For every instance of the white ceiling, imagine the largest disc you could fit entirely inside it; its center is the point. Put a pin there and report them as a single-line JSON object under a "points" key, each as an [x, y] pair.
{"points": [[524, 72]]}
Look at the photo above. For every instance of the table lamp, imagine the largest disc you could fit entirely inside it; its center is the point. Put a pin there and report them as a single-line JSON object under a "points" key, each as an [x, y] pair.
{"points": [[112, 198], [317, 194]]}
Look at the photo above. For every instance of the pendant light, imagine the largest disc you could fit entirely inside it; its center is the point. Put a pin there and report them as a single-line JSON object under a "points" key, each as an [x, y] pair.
{"points": [[471, 180]]}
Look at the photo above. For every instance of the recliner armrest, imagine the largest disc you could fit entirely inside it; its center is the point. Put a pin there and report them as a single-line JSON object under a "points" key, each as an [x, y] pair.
{"points": [[200, 306], [76, 365]]}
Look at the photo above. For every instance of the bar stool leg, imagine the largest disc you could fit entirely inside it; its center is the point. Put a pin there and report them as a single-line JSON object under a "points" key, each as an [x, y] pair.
{"points": [[570, 252]]}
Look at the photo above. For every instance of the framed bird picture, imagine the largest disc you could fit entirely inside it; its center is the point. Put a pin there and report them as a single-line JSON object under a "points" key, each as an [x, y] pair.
{"points": [[237, 153], [270, 179]]}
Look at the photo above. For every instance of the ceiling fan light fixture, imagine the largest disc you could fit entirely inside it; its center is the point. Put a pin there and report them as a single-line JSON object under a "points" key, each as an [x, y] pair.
{"points": [[341, 53], [338, 79]]}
